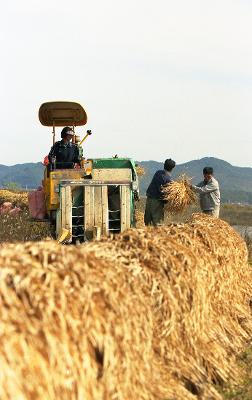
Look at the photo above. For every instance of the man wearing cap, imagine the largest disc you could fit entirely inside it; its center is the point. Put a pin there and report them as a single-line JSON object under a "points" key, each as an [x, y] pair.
{"points": [[154, 209], [64, 153]]}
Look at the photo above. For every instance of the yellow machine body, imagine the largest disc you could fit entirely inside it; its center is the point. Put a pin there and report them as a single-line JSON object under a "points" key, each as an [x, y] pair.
{"points": [[51, 185]]}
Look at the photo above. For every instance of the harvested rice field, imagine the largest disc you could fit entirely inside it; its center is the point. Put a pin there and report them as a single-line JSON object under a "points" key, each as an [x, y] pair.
{"points": [[156, 313]]}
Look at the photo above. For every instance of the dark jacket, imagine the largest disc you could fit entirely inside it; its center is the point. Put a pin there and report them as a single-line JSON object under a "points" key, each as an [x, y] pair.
{"points": [[66, 154], [160, 179]]}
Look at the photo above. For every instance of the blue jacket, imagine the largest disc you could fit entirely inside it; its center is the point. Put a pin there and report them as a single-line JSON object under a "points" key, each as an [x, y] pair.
{"points": [[160, 179]]}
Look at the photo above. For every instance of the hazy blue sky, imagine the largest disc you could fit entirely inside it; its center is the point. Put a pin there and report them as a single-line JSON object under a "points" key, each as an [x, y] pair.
{"points": [[157, 79]]}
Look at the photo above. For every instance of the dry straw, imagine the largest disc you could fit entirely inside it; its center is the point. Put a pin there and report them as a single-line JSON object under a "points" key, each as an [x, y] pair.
{"points": [[139, 219], [178, 194], [19, 199], [73, 327], [140, 170], [20, 228], [156, 313], [201, 286]]}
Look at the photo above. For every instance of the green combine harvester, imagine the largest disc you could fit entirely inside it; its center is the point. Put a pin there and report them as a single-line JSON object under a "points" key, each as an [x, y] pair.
{"points": [[93, 199]]}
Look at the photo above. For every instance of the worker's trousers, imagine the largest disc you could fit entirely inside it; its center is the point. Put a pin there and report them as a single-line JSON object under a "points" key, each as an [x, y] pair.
{"points": [[154, 212]]}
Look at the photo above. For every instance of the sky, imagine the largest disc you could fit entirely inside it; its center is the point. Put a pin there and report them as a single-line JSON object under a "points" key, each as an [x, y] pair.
{"points": [[157, 79]]}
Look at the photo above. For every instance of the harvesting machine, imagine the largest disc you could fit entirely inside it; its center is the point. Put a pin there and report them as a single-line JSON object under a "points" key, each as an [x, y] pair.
{"points": [[93, 199]]}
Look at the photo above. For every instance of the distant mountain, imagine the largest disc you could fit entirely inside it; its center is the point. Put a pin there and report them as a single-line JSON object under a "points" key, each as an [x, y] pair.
{"points": [[235, 182], [27, 175]]}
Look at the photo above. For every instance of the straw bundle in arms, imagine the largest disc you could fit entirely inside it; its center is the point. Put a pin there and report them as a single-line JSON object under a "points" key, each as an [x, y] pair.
{"points": [[140, 170], [178, 195]]}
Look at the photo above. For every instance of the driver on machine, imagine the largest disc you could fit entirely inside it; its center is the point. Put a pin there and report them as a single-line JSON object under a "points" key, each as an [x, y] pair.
{"points": [[64, 153]]}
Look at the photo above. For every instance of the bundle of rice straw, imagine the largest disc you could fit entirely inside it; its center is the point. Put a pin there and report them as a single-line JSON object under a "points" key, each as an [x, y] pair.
{"points": [[158, 313], [140, 170], [179, 195], [19, 199]]}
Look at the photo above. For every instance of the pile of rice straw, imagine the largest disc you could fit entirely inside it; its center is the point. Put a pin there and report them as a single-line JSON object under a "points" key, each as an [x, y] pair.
{"points": [[179, 195], [139, 218], [158, 313], [19, 199], [140, 170]]}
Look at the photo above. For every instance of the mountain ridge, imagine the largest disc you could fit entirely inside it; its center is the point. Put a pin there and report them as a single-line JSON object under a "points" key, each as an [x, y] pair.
{"points": [[235, 182]]}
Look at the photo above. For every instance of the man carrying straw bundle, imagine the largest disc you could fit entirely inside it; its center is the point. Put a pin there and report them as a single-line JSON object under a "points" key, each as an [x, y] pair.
{"points": [[209, 192], [154, 209]]}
